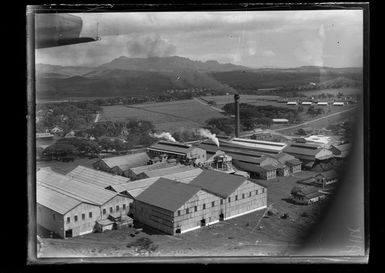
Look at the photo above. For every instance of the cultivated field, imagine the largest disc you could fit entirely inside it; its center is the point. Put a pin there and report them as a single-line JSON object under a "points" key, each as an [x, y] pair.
{"points": [[348, 91], [246, 235], [166, 116]]}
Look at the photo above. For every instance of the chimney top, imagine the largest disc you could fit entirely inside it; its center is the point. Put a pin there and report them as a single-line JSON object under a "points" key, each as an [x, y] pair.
{"points": [[236, 96]]}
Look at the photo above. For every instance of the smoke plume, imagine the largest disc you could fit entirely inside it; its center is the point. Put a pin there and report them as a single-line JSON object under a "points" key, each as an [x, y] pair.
{"points": [[164, 135], [150, 46], [209, 135]]}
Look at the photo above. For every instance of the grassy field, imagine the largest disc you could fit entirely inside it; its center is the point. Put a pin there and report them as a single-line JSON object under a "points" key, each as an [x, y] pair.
{"points": [[239, 236], [251, 99], [166, 116]]}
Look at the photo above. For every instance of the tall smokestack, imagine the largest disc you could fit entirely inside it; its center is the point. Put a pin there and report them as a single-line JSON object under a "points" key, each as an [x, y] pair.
{"points": [[236, 100]]}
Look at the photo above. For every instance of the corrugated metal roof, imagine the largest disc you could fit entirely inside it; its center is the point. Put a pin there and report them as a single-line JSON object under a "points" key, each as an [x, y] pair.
{"points": [[160, 165], [294, 162], [96, 178], [74, 188], [55, 200], [127, 161], [329, 174], [167, 194], [173, 147], [250, 167], [139, 185], [218, 183], [302, 150], [242, 145], [231, 149], [166, 171]]}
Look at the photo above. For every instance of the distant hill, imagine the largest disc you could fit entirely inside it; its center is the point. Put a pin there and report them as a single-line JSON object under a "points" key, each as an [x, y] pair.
{"points": [[173, 63], [290, 77], [125, 76]]}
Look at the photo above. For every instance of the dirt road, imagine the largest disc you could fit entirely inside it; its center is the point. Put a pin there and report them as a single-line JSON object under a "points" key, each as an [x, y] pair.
{"points": [[314, 120]]}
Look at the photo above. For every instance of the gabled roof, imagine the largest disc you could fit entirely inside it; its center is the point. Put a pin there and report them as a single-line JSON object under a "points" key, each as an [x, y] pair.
{"points": [[302, 149], [173, 147], [167, 194], [166, 171], [96, 178], [55, 200], [134, 188], [125, 162], [74, 188], [156, 166], [218, 183], [293, 162], [329, 174]]}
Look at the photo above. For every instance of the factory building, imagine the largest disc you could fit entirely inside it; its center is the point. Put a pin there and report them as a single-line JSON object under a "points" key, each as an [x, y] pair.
{"points": [[308, 153], [139, 172], [262, 167], [81, 220], [269, 147], [55, 208], [173, 207], [120, 164], [291, 103], [293, 164], [219, 161], [307, 103], [322, 103], [96, 178], [338, 103], [181, 152]]}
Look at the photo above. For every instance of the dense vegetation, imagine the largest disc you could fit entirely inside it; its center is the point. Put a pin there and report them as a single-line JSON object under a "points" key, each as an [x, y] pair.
{"points": [[68, 115], [108, 136], [252, 115]]}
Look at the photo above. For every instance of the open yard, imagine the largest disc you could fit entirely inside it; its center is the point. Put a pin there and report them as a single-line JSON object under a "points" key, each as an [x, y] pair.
{"points": [[166, 116], [247, 235]]}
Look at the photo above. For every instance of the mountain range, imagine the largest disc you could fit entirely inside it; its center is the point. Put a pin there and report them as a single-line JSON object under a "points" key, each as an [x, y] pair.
{"points": [[125, 76]]}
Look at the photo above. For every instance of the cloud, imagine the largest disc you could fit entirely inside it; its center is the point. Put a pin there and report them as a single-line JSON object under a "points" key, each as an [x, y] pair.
{"points": [[150, 45]]}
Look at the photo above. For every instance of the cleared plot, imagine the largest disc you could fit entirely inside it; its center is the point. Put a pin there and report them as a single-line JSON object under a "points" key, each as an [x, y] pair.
{"points": [[167, 116]]}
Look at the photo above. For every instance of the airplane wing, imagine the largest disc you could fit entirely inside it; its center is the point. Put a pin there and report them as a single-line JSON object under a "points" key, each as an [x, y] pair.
{"points": [[58, 29]]}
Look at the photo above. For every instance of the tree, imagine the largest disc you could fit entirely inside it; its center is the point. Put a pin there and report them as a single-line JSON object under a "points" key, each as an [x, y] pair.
{"points": [[60, 150], [300, 109], [301, 132]]}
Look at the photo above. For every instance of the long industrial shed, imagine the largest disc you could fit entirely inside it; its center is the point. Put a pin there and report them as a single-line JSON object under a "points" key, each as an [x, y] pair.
{"points": [[174, 207], [82, 220]]}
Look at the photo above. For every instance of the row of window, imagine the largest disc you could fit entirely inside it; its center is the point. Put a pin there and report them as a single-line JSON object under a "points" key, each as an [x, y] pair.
{"points": [[90, 214], [76, 217], [221, 201]]}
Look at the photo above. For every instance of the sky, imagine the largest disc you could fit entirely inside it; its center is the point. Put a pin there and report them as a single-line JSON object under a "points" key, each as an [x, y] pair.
{"points": [[256, 39]]}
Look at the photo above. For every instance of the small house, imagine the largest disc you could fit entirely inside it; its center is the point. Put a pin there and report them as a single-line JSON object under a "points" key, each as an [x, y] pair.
{"points": [[306, 195], [326, 178]]}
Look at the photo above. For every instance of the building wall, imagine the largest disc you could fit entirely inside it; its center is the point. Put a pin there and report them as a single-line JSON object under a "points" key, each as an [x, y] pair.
{"points": [[199, 153], [158, 218], [247, 198], [257, 200], [110, 206], [282, 172], [81, 226], [192, 219], [295, 169], [45, 218]]}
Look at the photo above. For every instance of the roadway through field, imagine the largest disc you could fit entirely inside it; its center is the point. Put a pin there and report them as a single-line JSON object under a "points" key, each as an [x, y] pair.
{"points": [[314, 120], [203, 102]]}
